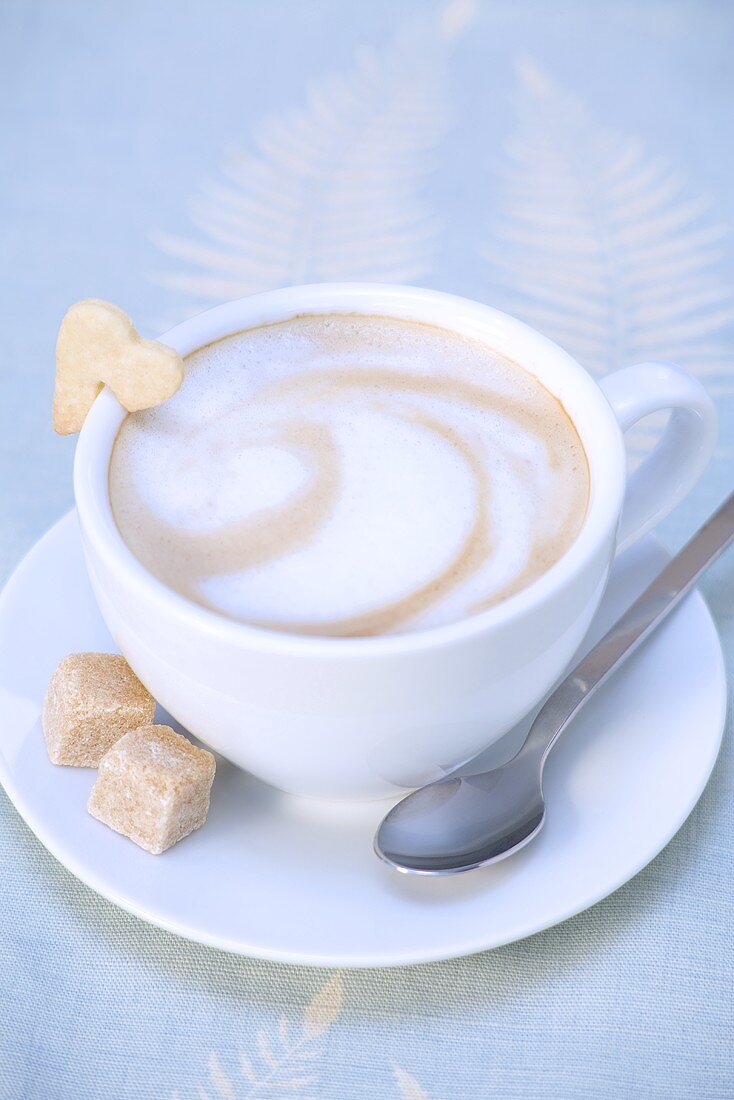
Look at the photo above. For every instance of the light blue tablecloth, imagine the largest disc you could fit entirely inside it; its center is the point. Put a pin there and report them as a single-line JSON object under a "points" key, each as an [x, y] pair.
{"points": [[571, 161]]}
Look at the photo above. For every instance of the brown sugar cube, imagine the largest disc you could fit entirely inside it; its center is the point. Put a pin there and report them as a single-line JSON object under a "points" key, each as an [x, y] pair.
{"points": [[92, 700], [153, 787]]}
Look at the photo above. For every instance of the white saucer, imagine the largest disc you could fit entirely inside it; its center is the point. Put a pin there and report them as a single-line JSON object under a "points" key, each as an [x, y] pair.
{"points": [[296, 880]]}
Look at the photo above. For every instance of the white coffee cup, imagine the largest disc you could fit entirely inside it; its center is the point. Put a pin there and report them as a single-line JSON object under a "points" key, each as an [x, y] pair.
{"points": [[356, 718]]}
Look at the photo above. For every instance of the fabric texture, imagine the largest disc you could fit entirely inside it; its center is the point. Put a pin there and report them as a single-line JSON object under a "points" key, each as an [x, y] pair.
{"points": [[569, 162]]}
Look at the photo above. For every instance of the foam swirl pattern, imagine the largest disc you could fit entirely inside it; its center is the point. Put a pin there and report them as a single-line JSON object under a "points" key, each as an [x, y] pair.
{"points": [[346, 475]]}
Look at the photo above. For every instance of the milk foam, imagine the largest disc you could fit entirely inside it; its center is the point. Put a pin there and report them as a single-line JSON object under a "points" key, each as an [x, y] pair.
{"points": [[349, 475]]}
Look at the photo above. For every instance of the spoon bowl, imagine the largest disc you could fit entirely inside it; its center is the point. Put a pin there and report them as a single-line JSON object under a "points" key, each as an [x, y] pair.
{"points": [[458, 824]]}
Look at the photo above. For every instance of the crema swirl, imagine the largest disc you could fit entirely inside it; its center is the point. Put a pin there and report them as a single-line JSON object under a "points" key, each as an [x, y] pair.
{"points": [[350, 475]]}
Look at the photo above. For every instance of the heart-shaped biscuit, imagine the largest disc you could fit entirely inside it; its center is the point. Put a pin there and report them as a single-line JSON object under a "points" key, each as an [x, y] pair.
{"points": [[97, 346]]}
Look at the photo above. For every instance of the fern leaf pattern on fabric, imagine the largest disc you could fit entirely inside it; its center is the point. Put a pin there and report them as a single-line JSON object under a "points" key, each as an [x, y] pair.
{"points": [[599, 245], [334, 190]]}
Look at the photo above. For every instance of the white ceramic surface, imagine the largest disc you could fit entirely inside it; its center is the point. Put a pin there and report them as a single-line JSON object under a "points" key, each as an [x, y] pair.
{"points": [[295, 879], [366, 717]]}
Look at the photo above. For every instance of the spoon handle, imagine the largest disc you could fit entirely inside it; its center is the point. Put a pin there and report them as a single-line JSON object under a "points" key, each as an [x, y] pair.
{"points": [[657, 601]]}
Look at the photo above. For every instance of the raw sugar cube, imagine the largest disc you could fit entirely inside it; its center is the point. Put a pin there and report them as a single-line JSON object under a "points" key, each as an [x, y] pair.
{"points": [[92, 700], [153, 787]]}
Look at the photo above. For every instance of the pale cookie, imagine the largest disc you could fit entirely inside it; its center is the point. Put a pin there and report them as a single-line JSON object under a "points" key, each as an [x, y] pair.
{"points": [[98, 345], [92, 700], [153, 787]]}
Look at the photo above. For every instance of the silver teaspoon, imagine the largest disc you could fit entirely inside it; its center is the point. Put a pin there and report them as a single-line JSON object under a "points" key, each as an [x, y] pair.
{"points": [[460, 823]]}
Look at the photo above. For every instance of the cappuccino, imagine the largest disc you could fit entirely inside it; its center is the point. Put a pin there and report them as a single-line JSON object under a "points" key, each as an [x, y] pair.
{"points": [[347, 475]]}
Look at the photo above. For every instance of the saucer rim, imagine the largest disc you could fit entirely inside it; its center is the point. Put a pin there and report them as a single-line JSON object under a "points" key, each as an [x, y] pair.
{"points": [[356, 961]]}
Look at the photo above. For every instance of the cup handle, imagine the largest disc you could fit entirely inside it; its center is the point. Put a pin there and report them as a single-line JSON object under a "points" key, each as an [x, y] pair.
{"points": [[679, 459]]}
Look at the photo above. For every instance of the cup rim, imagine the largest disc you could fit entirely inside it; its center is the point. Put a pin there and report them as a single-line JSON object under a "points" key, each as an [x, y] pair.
{"points": [[600, 435]]}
